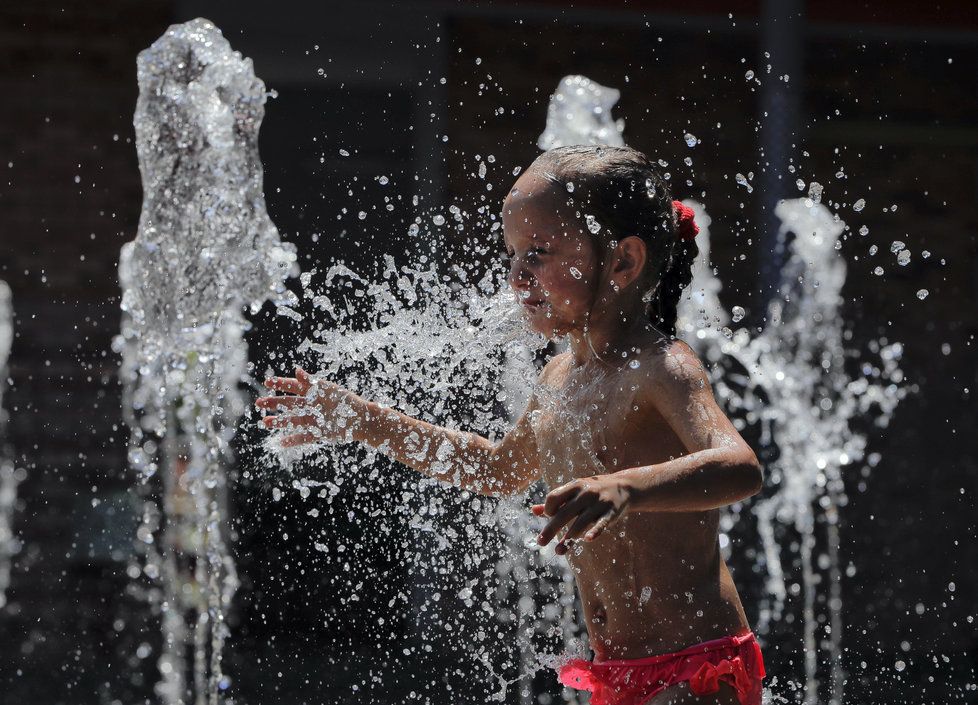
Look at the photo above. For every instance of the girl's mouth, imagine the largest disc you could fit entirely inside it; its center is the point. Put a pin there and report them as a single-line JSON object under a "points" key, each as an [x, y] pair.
{"points": [[533, 304]]}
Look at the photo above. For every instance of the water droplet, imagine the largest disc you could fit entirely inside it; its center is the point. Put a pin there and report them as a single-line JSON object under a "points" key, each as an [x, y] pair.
{"points": [[800, 184], [570, 187], [634, 364], [899, 665], [922, 294], [903, 258], [925, 253], [896, 246], [873, 249], [576, 273], [878, 271], [517, 170], [815, 192], [383, 180], [438, 220], [691, 140], [592, 224], [344, 153], [738, 314], [749, 75], [482, 170], [864, 231], [362, 215], [413, 229], [742, 180], [859, 205]]}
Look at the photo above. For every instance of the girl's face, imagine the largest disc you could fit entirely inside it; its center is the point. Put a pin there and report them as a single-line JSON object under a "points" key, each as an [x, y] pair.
{"points": [[553, 262]]}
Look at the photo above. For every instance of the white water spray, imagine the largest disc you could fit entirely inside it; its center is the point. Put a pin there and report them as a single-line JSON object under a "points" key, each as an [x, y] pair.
{"points": [[10, 476], [205, 249]]}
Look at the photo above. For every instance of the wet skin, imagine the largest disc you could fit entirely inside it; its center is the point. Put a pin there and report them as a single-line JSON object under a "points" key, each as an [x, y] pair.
{"points": [[623, 427], [653, 581]]}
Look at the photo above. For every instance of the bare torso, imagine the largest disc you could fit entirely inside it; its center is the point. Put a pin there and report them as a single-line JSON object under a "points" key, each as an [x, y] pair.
{"points": [[655, 582]]}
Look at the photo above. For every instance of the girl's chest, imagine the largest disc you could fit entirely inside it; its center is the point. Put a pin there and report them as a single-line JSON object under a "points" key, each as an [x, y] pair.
{"points": [[581, 427]]}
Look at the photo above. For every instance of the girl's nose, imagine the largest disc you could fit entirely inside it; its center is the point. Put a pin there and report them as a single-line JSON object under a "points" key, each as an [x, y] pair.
{"points": [[518, 277]]}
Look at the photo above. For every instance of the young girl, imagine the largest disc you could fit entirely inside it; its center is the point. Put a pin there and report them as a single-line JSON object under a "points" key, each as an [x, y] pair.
{"points": [[623, 426]]}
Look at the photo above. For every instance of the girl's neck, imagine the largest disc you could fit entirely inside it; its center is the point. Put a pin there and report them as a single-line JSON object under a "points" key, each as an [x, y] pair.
{"points": [[607, 334]]}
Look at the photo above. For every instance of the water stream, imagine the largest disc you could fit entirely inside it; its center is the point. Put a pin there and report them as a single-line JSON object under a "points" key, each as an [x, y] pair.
{"points": [[205, 250], [10, 475]]}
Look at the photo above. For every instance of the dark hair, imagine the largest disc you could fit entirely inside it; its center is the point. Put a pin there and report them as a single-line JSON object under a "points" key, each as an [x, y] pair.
{"points": [[618, 192]]}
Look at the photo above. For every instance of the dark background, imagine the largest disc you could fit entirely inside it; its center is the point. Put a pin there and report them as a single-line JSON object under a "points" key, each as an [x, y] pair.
{"points": [[885, 91]]}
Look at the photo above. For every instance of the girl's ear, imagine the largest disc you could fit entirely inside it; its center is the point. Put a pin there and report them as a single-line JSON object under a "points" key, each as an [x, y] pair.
{"points": [[629, 260]]}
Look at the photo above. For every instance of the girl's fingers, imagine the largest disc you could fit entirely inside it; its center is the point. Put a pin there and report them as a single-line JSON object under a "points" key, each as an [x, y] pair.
{"points": [[559, 497], [298, 439], [281, 402], [304, 377], [563, 515], [584, 519], [537, 509], [289, 421], [286, 384], [600, 525]]}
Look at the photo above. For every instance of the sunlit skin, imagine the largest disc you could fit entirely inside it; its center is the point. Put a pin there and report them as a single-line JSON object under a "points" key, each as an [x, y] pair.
{"points": [[637, 515]]}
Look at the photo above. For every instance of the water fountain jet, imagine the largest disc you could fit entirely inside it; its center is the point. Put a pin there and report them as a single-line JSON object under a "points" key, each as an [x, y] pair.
{"points": [[205, 249]]}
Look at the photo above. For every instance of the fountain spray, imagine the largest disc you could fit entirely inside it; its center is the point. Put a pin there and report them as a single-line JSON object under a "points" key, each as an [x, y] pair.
{"points": [[205, 249], [10, 475]]}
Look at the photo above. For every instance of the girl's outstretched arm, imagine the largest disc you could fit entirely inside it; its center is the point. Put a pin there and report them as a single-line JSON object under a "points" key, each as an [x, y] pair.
{"points": [[314, 410]]}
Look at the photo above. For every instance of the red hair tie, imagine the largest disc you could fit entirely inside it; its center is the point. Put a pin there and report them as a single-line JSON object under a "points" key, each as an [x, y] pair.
{"points": [[686, 224]]}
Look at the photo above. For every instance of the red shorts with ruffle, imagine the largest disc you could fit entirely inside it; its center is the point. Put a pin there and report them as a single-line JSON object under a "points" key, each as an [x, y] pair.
{"points": [[735, 660]]}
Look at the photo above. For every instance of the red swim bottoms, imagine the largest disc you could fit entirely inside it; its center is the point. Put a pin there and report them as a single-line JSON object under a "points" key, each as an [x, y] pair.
{"points": [[735, 660]]}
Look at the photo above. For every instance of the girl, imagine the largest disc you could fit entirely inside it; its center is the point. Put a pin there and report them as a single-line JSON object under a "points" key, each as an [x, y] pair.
{"points": [[623, 426]]}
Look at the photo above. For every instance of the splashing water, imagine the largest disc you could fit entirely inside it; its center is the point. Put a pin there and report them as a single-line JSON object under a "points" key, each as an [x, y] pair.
{"points": [[580, 113], [10, 475], [205, 249], [435, 350]]}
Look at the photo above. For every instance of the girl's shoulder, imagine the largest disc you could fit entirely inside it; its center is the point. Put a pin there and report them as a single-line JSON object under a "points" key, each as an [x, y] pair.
{"points": [[557, 365], [670, 362]]}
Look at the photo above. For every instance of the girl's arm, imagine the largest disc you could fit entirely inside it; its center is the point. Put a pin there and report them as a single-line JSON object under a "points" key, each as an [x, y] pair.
{"points": [[316, 410], [720, 468]]}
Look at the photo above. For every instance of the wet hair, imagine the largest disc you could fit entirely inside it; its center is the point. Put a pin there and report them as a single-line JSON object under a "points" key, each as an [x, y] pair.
{"points": [[618, 192]]}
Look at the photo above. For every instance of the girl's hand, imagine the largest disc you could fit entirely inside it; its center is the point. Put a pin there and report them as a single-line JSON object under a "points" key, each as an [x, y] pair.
{"points": [[588, 505], [311, 410]]}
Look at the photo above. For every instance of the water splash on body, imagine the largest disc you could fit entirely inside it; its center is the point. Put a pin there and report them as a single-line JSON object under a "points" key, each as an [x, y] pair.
{"points": [[205, 249], [10, 475]]}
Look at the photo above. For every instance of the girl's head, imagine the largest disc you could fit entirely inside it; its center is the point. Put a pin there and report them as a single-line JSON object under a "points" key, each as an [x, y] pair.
{"points": [[591, 231]]}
